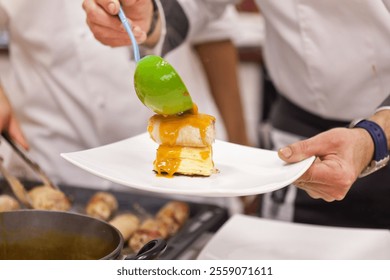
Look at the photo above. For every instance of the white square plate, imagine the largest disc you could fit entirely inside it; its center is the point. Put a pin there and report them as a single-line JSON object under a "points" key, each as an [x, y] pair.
{"points": [[242, 170]]}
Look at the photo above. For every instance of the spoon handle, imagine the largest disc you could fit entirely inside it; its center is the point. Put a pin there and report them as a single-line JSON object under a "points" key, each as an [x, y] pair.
{"points": [[127, 26]]}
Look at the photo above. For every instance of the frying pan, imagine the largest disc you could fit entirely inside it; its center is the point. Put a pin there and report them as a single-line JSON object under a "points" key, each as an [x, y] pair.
{"points": [[55, 235]]}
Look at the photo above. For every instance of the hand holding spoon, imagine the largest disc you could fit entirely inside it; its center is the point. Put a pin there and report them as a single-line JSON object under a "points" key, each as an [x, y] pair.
{"points": [[156, 82]]}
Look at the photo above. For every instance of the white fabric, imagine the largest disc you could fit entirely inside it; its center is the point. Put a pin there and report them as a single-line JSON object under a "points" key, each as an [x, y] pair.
{"points": [[382, 108], [244, 237], [329, 57], [244, 29], [202, 12]]}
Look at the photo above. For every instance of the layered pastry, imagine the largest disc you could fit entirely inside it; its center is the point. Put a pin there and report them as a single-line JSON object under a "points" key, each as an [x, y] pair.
{"points": [[185, 144]]}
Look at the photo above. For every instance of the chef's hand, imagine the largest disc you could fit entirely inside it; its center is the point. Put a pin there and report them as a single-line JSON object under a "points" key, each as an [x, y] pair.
{"points": [[103, 20], [341, 155], [8, 121]]}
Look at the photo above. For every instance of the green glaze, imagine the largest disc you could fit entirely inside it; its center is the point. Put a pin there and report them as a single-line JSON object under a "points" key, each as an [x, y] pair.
{"points": [[159, 87]]}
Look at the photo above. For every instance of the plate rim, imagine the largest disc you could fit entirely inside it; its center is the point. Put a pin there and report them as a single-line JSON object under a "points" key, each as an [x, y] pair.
{"points": [[203, 192]]}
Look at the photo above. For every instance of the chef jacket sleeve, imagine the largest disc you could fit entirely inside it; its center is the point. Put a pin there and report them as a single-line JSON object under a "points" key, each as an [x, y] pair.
{"points": [[185, 18], [386, 102]]}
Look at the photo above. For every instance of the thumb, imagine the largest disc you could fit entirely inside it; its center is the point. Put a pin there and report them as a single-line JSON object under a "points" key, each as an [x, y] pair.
{"points": [[300, 150], [110, 6], [332, 141]]}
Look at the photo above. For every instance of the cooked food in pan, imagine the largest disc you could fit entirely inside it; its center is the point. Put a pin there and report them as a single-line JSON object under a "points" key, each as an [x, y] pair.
{"points": [[102, 205], [166, 223], [8, 203], [185, 144], [136, 229], [150, 229], [126, 223], [46, 198], [173, 215]]}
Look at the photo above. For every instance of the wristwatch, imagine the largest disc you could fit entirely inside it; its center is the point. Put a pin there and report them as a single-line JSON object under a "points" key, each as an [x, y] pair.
{"points": [[381, 152]]}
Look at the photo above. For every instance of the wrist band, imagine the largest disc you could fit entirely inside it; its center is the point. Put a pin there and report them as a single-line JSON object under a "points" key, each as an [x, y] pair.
{"points": [[381, 152], [155, 16]]}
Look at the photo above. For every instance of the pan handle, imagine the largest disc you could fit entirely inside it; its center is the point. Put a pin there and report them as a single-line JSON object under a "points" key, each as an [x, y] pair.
{"points": [[150, 250]]}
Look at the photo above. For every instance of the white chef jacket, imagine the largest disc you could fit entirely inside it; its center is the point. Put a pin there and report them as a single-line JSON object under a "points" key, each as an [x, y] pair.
{"points": [[69, 91], [329, 57]]}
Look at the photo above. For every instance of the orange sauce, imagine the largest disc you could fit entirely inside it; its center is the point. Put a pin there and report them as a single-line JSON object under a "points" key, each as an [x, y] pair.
{"points": [[167, 160], [205, 154], [168, 154]]}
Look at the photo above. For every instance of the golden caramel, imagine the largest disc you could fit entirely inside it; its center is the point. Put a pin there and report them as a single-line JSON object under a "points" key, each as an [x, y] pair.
{"points": [[170, 126], [185, 143], [183, 160], [167, 160]]}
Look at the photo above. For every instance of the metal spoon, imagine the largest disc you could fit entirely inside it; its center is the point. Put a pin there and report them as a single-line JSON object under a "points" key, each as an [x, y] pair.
{"points": [[156, 82]]}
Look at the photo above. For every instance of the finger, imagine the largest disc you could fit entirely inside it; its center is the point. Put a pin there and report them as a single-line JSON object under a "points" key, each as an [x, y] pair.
{"points": [[16, 133], [327, 191], [317, 190], [114, 37], [319, 145], [333, 173], [317, 194], [110, 6], [127, 3], [96, 15]]}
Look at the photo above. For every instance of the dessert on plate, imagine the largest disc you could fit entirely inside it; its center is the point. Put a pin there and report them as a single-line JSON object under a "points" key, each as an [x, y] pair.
{"points": [[185, 143]]}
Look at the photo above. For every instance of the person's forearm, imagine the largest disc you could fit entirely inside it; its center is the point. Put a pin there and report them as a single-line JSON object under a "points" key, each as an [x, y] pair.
{"points": [[220, 62], [154, 36]]}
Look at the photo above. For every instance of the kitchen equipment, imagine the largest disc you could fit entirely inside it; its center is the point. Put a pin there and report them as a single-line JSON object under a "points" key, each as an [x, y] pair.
{"points": [[45, 235], [34, 166], [151, 250], [53, 235], [17, 187], [160, 87], [204, 218], [156, 82]]}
